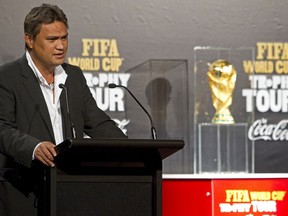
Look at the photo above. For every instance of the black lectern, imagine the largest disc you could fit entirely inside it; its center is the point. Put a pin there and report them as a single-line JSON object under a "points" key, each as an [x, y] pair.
{"points": [[106, 177]]}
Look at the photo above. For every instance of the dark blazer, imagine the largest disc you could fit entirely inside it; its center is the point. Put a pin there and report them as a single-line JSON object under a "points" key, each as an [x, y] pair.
{"points": [[24, 117]]}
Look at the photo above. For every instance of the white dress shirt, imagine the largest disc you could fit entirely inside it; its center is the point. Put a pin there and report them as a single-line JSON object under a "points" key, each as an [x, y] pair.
{"points": [[51, 93]]}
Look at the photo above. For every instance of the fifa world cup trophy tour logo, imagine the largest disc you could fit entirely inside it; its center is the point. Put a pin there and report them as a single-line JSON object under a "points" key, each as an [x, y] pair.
{"points": [[222, 79]]}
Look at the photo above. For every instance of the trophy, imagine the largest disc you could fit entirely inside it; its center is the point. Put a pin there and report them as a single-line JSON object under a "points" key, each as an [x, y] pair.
{"points": [[222, 79]]}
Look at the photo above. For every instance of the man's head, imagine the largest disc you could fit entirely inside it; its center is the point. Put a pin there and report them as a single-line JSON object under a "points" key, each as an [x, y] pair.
{"points": [[46, 36], [44, 14]]}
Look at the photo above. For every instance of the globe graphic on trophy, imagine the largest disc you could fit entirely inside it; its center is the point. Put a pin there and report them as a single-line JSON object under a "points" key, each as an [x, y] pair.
{"points": [[222, 78]]}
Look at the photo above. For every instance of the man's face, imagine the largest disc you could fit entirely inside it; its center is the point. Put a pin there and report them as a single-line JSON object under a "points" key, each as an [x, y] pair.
{"points": [[49, 47]]}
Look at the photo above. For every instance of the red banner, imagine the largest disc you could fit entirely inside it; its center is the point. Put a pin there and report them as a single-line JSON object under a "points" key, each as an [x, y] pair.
{"points": [[250, 197], [225, 197]]}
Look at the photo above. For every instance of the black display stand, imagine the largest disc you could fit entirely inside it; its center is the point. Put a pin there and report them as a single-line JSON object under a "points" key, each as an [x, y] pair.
{"points": [[106, 177]]}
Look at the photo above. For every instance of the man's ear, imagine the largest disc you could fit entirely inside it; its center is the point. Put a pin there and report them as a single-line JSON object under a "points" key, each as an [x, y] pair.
{"points": [[28, 41]]}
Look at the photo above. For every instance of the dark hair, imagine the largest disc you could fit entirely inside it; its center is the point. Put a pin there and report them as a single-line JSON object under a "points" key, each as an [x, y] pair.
{"points": [[44, 14]]}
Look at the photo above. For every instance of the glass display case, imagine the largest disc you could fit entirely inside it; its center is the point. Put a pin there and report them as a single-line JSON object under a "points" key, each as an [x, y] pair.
{"points": [[221, 118], [161, 85]]}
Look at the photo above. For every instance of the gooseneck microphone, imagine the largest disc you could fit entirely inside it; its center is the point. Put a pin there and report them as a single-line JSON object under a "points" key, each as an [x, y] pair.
{"points": [[73, 131], [153, 130]]}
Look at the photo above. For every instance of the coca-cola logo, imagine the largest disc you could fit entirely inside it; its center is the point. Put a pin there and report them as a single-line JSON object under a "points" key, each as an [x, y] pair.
{"points": [[261, 130]]}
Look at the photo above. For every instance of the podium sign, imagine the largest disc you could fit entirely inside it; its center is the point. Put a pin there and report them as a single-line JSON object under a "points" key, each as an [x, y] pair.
{"points": [[106, 177]]}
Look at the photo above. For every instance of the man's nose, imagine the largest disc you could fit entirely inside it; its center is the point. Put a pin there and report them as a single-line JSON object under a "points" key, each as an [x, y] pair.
{"points": [[60, 44]]}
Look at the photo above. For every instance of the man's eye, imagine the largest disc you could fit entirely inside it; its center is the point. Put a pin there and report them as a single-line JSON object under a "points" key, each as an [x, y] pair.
{"points": [[52, 39]]}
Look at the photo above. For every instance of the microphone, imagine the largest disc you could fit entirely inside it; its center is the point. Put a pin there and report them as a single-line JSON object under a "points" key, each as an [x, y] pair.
{"points": [[153, 130], [73, 131]]}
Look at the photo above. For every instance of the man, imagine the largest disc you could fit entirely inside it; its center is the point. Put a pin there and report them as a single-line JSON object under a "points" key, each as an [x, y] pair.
{"points": [[33, 108]]}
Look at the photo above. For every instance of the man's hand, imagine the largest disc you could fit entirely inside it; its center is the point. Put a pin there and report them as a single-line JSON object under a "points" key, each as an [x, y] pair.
{"points": [[45, 153]]}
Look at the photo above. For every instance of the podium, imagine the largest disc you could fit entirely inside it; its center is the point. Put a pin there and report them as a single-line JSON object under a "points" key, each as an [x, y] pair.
{"points": [[106, 177]]}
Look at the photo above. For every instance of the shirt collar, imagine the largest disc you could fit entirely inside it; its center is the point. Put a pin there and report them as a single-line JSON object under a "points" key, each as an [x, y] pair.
{"points": [[59, 73]]}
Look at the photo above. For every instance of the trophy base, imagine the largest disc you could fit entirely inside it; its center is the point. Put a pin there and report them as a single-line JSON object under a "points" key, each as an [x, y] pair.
{"points": [[223, 119], [223, 148]]}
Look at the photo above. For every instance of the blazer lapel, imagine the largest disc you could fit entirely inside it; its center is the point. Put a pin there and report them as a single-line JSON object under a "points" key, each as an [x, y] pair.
{"points": [[32, 85]]}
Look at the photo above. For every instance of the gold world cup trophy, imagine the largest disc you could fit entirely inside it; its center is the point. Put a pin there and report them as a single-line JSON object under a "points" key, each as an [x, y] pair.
{"points": [[222, 79]]}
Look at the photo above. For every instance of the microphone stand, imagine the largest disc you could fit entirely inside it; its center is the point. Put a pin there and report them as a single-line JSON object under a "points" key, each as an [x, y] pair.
{"points": [[153, 129]]}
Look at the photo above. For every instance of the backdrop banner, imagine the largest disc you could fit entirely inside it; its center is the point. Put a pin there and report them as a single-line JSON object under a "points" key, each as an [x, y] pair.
{"points": [[161, 50]]}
